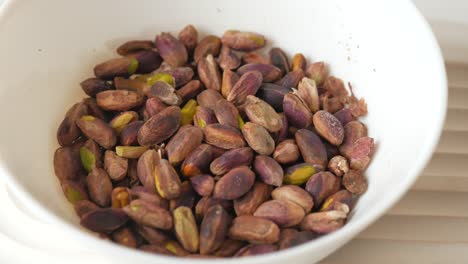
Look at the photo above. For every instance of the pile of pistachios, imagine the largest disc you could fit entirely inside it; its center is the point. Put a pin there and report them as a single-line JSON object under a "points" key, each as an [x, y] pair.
{"points": [[212, 148]]}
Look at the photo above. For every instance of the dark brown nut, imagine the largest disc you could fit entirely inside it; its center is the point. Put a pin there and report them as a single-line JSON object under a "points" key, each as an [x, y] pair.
{"points": [[213, 229], [294, 194], [94, 109], [353, 131], [361, 152], [222, 136], [273, 94], [254, 57], [67, 164], [323, 222], [68, 132], [234, 184], [229, 248], [125, 237], [318, 72], [158, 249], [340, 197], [284, 131], [253, 250], [130, 152], [160, 126], [204, 116], [329, 127], [189, 37], [254, 229], [149, 214], [247, 84], [206, 202], [119, 100], [283, 212], [332, 150], [291, 79], [115, 166], [227, 114], [145, 168], [307, 91], [128, 136], [99, 186], [209, 74], [208, 98], [83, 207], [228, 60], [154, 105], [120, 197], [286, 236], [218, 152], [335, 87], [269, 171], [355, 182], [298, 62], [203, 184], [181, 75], [90, 155], [134, 45], [247, 204], [151, 235], [134, 85], [345, 116], [183, 143], [171, 50], [231, 159], [286, 152], [296, 111], [300, 238], [167, 180], [258, 138], [338, 165], [140, 192], [121, 120], [97, 130], [299, 173], [148, 60], [269, 72], [175, 248], [165, 92], [104, 220], [186, 198], [185, 229], [279, 59], [123, 66], [321, 185], [190, 91], [243, 41], [92, 86], [73, 191], [261, 113], [331, 104], [208, 45], [228, 81], [312, 149], [198, 161]]}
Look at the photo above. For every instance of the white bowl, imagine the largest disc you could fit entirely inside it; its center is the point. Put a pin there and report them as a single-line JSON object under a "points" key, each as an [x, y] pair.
{"points": [[384, 48]]}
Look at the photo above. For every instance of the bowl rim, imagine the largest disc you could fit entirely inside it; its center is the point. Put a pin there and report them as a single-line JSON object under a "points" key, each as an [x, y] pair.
{"points": [[348, 231]]}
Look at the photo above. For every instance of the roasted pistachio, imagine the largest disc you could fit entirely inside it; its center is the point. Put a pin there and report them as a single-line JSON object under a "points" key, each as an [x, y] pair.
{"points": [[203, 184], [189, 37], [97, 130], [296, 111], [82, 207], [208, 98], [279, 59], [228, 60], [329, 127], [321, 185], [145, 168], [318, 72], [209, 74], [254, 57], [355, 182], [190, 90], [299, 173], [68, 131], [338, 165], [128, 136], [118, 100], [286, 152], [298, 62], [160, 126], [198, 161], [130, 152], [353, 131], [228, 81], [165, 92], [324, 222], [345, 116], [115, 165], [104, 220], [213, 229], [185, 229], [92, 86], [291, 79], [167, 180], [252, 250], [247, 84], [134, 45], [99, 186], [243, 41], [294, 194], [229, 248], [226, 113], [208, 45], [148, 60], [273, 94], [186, 198], [222, 136], [123, 66], [258, 138], [203, 116], [148, 214], [312, 149], [153, 106], [231, 159], [151, 235], [268, 170], [361, 152], [307, 91], [73, 191], [269, 72], [119, 122], [180, 75], [283, 212], [262, 113], [90, 155], [234, 184], [254, 230], [120, 197], [340, 197], [171, 49], [67, 165]]}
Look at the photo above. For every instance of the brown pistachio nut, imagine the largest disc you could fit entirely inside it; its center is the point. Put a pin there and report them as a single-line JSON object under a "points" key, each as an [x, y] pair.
{"points": [[261, 113], [228, 81], [130, 152], [355, 182], [198, 161], [68, 131], [83, 207], [223, 136], [175, 248], [204, 116], [123, 66], [299, 173], [279, 59], [167, 180], [171, 50], [140, 192], [90, 155], [312, 149], [125, 237], [226, 113], [132, 173], [190, 90], [338, 165], [213, 229], [299, 238], [156, 248], [324, 222], [291, 79], [97, 130], [208, 72], [133, 46], [243, 41], [283, 212], [329, 127], [318, 72], [229, 248], [361, 152], [269, 171], [208, 98], [340, 197], [118, 100], [92, 86], [149, 214], [183, 143], [258, 138], [128, 136], [185, 229], [253, 250], [298, 62], [332, 150], [189, 37], [331, 104], [67, 164], [115, 165], [186, 198], [151, 235], [74, 192], [120, 197], [254, 229], [353, 131], [273, 94], [227, 59], [165, 92], [104, 220], [231, 159], [234, 184], [153, 106], [269, 72], [99, 186], [181, 75], [335, 87], [208, 45], [160, 126], [345, 116], [254, 57], [296, 111], [307, 91], [294, 194], [286, 236], [321, 185], [120, 121], [148, 60], [247, 204], [203, 184], [207, 202], [247, 84], [284, 131], [94, 109], [145, 168], [286, 152]]}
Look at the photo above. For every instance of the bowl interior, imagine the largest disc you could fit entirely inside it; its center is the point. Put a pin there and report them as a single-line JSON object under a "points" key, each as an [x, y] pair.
{"points": [[393, 63]]}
